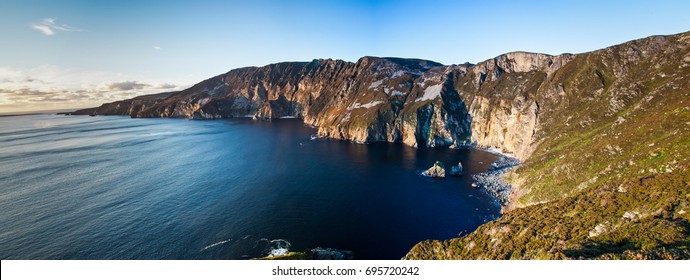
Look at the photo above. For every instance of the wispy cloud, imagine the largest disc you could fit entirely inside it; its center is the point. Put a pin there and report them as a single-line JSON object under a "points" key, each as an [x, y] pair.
{"points": [[49, 87], [157, 48], [44, 29], [26, 95], [48, 27]]}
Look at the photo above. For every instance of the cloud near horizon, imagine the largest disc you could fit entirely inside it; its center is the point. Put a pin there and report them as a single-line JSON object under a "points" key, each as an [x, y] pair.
{"points": [[48, 27], [127, 85], [51, 87]]}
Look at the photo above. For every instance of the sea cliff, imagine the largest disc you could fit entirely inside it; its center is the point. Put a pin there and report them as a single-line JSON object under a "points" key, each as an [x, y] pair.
{"points": [[579, 123]]}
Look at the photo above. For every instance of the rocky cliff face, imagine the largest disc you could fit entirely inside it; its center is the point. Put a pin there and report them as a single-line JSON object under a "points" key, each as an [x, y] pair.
{"points": [[416, 102], [501, 94], [608, 174], [534, 106]]}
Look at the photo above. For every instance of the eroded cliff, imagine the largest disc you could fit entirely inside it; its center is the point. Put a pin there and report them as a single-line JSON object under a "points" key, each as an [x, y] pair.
{"points": [[416, 102], [580, 123], [521, 103]]}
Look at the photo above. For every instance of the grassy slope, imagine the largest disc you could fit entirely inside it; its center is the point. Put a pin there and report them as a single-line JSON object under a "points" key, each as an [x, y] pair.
{"points": [[614, 117], [639, 219], [618, 116]]}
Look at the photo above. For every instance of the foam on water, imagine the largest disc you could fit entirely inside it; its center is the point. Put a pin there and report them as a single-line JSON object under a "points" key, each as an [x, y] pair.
{"points": [[278, 247], [216, 244]]}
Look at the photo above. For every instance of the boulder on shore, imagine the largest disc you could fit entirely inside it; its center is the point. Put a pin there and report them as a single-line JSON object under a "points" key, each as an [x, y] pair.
{"points": [[456, 170], [436, 171]]}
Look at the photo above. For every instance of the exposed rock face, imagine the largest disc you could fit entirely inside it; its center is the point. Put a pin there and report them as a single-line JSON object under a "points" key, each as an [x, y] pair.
{"points": [[534, 106], [416, 102], [436, 171]]}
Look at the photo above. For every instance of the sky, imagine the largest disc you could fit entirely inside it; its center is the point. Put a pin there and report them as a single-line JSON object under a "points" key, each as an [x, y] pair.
{"points": [[76, 54]]}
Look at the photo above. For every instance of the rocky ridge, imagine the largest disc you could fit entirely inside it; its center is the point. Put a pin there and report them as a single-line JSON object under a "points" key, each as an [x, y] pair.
{"points": [[412, 101], [517, 102]]}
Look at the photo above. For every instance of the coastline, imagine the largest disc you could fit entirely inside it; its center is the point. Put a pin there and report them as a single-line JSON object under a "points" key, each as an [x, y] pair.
{"points": [[492, 180]]}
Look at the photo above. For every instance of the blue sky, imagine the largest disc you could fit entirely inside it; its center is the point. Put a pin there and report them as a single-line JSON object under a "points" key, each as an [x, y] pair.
{"points": [[64, 54]]}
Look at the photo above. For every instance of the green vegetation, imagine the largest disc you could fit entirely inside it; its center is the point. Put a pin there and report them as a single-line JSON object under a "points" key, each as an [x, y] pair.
{"points": [[607, 125], [645, 218]]}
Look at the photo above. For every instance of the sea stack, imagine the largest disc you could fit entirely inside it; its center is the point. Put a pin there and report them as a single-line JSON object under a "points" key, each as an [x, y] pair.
{"points": [[456, 170], [436, 171]]}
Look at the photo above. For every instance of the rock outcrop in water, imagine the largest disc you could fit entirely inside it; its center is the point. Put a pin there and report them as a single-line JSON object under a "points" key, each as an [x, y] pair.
{"points": [[436, 171], [456, 169]]}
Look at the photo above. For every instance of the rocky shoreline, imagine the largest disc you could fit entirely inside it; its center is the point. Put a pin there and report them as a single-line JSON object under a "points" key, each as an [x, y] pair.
{"points": [[492, 180]]}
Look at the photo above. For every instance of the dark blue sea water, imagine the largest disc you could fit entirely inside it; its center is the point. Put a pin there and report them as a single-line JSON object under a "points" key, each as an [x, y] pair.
{"points": [[78, 187]]}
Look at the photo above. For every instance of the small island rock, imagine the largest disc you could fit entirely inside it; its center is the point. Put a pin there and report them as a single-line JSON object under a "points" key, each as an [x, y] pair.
{"points": [[436, 171], [456, 170]]}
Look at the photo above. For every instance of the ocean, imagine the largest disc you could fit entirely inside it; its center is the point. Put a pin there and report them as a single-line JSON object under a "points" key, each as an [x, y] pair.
{"points": [[110, 187]]}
